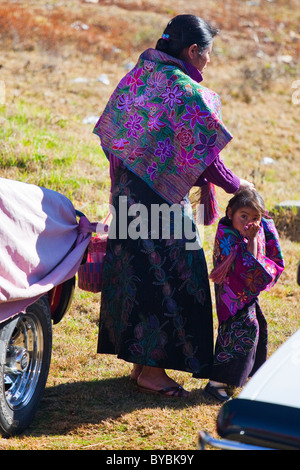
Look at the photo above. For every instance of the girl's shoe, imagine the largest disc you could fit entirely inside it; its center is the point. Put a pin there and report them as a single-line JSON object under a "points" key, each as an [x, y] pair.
{"points": [[230, 390], [213, 392]]}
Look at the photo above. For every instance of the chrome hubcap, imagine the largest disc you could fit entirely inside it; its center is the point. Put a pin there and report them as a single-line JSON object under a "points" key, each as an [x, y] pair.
{"points": [[23, 361]]}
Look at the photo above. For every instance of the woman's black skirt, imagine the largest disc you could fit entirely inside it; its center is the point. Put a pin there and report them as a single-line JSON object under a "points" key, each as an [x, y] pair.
{"points": [[155, 302]]}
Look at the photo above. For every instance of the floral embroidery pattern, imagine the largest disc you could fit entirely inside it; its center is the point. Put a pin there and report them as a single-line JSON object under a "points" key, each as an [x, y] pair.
{"points": [[225, 245], [247, 276], [172, 96], [125, 101], [185, 137], [253, 280], [149, 65], [235, 343], [153, 171], [136, 155], [134, 81], [157, 80], [212, 122], [206, 143], [154, 123], [134, 125], [164, 150], [119, 144], [237, 338], [179, 285], [158, 103], [185, 159], [195, 115]]}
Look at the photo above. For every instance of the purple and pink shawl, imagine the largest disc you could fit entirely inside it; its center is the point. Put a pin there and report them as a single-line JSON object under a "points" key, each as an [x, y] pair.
{"points": [[238, 275], [163, 125]]}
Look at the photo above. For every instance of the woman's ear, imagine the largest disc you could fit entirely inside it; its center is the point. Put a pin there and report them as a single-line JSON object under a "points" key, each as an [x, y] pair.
{"points": [[193, 51], [189, 53], [229, 213]]}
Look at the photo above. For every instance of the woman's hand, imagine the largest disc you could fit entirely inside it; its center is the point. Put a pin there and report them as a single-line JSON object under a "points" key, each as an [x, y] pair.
{"points": [[244, 184]]}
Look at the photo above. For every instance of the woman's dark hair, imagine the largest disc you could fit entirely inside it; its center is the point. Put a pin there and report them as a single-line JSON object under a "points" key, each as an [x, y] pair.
{"points": [[246, 198], [183, 31]]}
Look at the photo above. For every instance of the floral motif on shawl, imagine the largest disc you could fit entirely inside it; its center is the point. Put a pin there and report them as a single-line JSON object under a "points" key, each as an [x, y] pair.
{"points": [[163, 125], [246, 275]]}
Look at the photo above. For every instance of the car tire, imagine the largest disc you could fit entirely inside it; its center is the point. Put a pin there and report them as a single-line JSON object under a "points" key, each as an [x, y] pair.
{"points": [[25, 356]]}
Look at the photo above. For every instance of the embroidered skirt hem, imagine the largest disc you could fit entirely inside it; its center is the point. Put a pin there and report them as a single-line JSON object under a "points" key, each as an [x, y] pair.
{"points": [[241, 346]]}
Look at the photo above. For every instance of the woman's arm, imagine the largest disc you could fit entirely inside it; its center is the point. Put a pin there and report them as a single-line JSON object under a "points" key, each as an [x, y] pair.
{"points": [[218, 174]]}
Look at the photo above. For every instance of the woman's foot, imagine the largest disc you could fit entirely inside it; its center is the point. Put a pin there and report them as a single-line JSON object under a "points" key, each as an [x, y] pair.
{"points": [[135, 372], [155, 380]]}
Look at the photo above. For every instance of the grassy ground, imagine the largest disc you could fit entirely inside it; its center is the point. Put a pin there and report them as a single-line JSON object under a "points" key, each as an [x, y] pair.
{"points": [[50, 65]]}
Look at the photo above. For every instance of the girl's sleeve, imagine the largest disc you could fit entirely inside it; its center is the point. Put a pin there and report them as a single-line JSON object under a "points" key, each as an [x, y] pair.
{"points": [[271, 257]]}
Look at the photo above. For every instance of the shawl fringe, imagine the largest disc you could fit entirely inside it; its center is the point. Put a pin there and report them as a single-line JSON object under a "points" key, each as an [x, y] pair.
{"points": [[219, 273], [210, 203]]}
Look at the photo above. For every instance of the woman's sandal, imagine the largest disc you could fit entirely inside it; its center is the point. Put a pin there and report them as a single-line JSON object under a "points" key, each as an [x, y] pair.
{"points": [[213, 392], [175, 391]]}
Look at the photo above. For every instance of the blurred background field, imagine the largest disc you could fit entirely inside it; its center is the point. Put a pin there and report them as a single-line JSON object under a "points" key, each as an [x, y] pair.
{"points": [[59, 63]]}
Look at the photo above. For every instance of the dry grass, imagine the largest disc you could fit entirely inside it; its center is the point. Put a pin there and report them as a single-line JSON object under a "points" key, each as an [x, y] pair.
{"points": [[89, 402]]}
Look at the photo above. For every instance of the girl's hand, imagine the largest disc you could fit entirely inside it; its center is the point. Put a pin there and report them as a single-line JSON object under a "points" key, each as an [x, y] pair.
{"points": [[251, 230]]}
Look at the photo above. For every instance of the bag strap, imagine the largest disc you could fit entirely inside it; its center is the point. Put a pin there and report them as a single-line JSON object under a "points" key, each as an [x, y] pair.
{"points": [[107, 217]]}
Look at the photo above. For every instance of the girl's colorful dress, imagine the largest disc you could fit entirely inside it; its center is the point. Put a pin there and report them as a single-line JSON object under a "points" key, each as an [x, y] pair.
{"points": [[166, 130], [241, 346]]}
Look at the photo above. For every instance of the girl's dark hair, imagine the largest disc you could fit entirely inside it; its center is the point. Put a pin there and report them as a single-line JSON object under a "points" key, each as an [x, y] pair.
{"points": [[183, 31], [246, 198]]}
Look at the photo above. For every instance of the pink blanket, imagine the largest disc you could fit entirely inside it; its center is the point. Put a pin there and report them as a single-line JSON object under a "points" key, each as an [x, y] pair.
{"points": [[41, 243]]}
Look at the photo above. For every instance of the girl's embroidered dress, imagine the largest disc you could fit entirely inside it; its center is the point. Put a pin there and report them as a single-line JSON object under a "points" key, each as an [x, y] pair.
{"points": [[241, 346], [166, 130]]}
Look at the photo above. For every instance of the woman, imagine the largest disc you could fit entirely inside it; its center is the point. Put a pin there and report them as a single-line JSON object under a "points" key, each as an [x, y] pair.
{"points": [[162, 133]]}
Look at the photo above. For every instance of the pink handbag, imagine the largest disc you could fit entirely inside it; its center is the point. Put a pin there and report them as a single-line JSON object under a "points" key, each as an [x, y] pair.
{"points": [[90, 272]]}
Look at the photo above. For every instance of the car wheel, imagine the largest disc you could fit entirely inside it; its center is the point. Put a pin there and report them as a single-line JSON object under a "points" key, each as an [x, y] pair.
{"points": [[25, 355]]}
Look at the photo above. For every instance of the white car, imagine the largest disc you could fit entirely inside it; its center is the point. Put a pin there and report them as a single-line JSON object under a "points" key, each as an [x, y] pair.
{"points": [[266, 414]]}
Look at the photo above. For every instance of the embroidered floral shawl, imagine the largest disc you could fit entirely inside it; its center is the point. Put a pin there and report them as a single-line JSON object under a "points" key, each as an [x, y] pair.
{"points": [[246, 275], [163, 125]]}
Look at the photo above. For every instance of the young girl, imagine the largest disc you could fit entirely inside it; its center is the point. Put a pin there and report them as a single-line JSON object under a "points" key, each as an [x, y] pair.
{"points": [[247, 260]]}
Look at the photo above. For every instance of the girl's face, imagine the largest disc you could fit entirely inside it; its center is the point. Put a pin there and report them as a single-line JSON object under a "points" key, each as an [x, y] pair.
{"points": [[243, 217]]}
